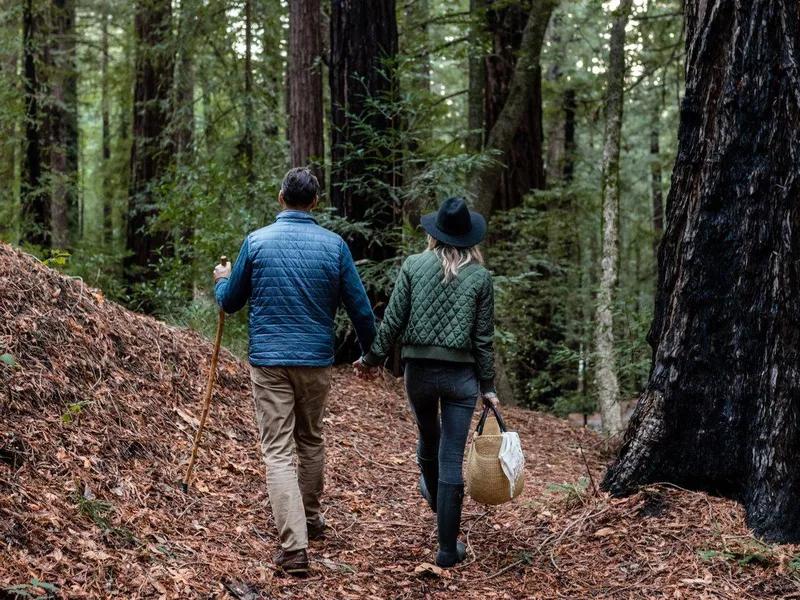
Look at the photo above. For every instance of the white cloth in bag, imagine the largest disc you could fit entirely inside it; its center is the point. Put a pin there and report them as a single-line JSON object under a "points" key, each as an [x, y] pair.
{"points": [[511, 458]]}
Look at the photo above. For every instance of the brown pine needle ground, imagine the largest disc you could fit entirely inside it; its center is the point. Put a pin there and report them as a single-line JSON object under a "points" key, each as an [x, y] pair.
{"points": [[98, 407]]}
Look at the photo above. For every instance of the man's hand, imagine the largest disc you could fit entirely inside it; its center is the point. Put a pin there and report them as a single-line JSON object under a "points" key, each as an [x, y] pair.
{"points": [[363, 371], [222, 271], [492, 398]]}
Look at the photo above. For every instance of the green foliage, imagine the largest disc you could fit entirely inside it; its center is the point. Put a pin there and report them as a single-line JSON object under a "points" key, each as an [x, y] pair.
{"points": [[571, 494], [8, 360], [33, 590], [74, 410], [56, 258]]}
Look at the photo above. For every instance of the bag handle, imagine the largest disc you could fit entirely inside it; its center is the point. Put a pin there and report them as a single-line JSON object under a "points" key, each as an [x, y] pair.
{"points": [[486, 407]]}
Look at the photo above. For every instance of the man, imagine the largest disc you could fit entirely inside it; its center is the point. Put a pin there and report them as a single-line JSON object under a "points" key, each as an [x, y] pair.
{"points": [[294, 274]]}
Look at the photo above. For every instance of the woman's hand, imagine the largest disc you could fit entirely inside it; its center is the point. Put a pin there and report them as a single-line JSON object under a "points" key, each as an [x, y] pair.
{"points": [[363, 371], [492, 398]]}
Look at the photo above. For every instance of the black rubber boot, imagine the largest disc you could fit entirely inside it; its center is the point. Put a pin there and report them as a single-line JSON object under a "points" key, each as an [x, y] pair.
{"points": [[448, 517], [429, 480]]}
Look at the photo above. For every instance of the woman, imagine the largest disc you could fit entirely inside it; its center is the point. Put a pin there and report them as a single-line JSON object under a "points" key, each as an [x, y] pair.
{"points": [[443, 307]]}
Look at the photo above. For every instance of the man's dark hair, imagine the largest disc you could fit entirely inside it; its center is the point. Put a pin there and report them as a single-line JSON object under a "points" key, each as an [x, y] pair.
{"points": [[299, 188]]}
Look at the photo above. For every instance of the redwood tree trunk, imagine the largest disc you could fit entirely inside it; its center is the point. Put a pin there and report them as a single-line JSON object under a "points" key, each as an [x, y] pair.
{"points": [[305, 86], [363, 39], [721, 411], [149, 158], [524, 164]]}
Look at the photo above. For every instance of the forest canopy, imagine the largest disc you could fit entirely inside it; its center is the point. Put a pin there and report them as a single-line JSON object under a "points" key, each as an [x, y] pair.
{"points": [[141, 140]]}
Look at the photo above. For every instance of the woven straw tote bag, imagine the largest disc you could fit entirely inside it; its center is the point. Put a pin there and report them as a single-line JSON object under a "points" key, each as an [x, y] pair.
{"points": [[486, 481]]}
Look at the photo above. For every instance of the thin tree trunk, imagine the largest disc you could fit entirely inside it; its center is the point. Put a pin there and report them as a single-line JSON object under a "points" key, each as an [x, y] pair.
{"points": [[606, 375], [363, 38], [35, 208], [62, 114], [417, 17], [105, 100], [720, 411], [183, 109], [306, 137], [483, 182], [477, 77], [8, 133], [658, 196], [248, 92], [151, 112]]}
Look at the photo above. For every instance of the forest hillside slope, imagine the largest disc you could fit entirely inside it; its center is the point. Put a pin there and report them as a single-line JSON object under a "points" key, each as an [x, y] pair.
{"points": [[98, 407]]}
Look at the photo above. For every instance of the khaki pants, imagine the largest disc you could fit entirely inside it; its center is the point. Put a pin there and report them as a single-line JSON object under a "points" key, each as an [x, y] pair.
{"points": [[290, 404]]}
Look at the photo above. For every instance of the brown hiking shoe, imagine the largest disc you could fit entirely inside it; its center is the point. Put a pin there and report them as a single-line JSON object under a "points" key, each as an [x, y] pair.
{"points": [[294, 562], [316, 529]]}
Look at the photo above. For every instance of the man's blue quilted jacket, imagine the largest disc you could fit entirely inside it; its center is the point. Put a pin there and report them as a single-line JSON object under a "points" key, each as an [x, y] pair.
{"points": [[294, 274]]}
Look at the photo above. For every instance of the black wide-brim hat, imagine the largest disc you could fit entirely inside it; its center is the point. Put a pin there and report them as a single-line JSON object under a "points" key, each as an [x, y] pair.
{"points": [[455, 225]]}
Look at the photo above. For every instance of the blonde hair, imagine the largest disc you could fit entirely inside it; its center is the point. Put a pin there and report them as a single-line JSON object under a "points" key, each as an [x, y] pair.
{"points": [[453, 259]]}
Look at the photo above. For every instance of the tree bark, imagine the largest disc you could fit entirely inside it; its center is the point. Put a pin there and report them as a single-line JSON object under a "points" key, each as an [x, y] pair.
{"points": [[720, 411], [35, 208], [606, 375], [306, 137], [484, 181], [149, 158], [524, 165], [363, 44], [62, 116]]}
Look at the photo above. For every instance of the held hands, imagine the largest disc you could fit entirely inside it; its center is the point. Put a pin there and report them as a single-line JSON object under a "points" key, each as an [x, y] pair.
{"points": [[363, 371]]}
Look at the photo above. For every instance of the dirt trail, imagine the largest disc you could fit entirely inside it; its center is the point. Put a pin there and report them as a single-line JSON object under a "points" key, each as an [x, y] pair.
{"points": [[98, 406]]}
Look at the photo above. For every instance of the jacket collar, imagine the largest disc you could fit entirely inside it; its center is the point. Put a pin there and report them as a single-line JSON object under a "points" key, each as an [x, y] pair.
{"points": [[295, 215]]}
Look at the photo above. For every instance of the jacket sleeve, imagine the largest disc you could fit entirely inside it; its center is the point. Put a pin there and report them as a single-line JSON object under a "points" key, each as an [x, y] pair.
{"points": [[233, 293], [354, 297], [483, 336], [394, 321]]}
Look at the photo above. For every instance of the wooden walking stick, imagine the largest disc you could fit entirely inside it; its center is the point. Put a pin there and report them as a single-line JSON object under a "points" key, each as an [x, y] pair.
{"points": [[207, 401]]}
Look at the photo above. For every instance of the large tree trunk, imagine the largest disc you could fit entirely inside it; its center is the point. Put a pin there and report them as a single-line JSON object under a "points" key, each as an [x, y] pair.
{"points": [[484, 181], [62, 115], [606, 375], [306, 136], [35, 207], [363, 44], [149, 155], [720, 411], [524, 166], [561, 142]]}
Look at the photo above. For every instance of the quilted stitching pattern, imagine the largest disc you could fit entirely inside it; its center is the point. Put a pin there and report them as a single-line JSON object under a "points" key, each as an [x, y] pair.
{"points": [[457, 315], [299, 274]]}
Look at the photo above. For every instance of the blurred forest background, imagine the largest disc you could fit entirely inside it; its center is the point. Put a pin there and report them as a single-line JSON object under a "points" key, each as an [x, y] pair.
{"points": [[139, 140]]}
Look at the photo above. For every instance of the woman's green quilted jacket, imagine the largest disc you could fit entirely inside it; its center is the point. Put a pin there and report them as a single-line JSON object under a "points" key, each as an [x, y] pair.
{"points": [[440, 321]]}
